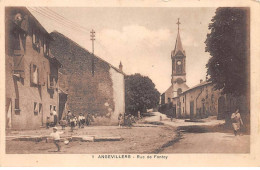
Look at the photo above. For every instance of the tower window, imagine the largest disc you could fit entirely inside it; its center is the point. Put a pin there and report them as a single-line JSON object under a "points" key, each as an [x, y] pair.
{"points": [[179, 67]]}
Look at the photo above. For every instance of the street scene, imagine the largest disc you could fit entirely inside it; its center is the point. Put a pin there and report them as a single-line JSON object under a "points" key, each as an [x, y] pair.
{"points": [[130, 81]]}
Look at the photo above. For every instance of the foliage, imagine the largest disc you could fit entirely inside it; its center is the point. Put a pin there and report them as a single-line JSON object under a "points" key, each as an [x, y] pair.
{"points": [[141, 93], [227, 43]]}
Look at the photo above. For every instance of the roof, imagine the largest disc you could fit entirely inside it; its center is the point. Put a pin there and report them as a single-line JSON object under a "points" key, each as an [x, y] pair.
{"points": [[168, 89], [32, 19], [178, 45], [204, 83], [53, 59]]}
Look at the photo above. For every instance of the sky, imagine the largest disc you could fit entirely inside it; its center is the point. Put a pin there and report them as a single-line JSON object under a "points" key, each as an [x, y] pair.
{"points": [[141, 38]]}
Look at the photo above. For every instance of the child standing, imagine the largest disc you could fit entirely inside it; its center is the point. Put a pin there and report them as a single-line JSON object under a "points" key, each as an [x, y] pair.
{"points": [[63, 123], [56, 137]]}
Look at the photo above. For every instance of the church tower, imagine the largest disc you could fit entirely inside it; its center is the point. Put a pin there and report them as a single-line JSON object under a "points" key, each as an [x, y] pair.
{"points": [[178, 57], [178, 78]]}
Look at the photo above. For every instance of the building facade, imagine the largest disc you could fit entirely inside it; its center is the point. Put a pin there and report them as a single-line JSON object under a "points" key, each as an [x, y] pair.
{"points": [[198, 102], [31, 72], [94, 85], [203, 100]]}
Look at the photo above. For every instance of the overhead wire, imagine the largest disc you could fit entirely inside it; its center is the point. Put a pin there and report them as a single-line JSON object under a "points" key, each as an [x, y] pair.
{"points": [[56, 19], [64, 22]]}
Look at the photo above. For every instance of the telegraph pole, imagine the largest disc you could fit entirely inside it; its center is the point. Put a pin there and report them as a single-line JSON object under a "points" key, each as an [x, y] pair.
{"points": [[92, 38]]}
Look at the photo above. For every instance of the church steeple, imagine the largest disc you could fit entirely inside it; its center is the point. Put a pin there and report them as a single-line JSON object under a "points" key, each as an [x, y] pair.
{"points": [[178, 60], [178, 44]]}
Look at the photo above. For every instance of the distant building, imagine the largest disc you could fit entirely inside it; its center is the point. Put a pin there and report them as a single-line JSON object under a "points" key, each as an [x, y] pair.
{"points": [[31, 71], [93, 85], [198, 102], [203, 100]]}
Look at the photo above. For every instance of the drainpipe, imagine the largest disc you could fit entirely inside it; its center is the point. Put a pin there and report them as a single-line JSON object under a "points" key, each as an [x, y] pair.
{"points": [[197, 99]]}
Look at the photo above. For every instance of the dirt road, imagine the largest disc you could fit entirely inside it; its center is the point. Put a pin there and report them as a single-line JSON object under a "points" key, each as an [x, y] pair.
{"points": [[135, 140], [207, 136]]}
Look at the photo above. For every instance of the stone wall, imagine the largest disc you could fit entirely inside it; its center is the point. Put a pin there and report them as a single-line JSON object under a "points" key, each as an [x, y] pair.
{"points": [[100, 93]]}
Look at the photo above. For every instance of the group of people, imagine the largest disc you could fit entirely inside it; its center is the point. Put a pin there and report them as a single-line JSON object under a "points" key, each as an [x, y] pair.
{"points": [[52, 120], [73, 121], [69, 120], [126, 120]]}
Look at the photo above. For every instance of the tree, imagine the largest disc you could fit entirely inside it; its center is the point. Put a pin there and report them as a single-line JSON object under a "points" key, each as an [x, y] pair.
{"points": [[141, 93], [228, 44]]}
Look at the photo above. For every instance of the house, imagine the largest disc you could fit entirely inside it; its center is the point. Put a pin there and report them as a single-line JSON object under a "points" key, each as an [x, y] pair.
{"points": [[203, 100], [94, 85], [31, 71], [199, 101]]}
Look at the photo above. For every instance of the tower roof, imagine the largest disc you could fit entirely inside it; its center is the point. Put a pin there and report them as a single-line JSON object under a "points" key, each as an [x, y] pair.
{"points": [[178, 45]]}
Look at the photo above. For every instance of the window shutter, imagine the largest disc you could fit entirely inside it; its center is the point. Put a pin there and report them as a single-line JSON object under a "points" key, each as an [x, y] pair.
{"points": [[38, 76], [18, 63], [35, 107], [41, 77], [31, 73], [48, 81]]}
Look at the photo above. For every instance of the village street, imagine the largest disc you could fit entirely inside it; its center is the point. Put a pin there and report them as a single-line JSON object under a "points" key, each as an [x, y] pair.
{"points": [[148, 136]]}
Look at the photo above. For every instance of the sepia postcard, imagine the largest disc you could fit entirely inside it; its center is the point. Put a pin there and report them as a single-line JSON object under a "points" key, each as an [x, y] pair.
{"points": [[130, 83]]}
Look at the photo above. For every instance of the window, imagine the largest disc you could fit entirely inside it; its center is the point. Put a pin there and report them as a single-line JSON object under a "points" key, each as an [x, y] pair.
{"points": [[179, 91], [34, 74], [35, 108], [40, 108], [46, 49], [54, 107], [169, 99], [50, 108], [36, 41], [51, 81]]}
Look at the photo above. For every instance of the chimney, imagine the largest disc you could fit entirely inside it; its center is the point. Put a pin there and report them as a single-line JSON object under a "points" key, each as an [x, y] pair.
{"points": [[121, 67], [201, 80]]}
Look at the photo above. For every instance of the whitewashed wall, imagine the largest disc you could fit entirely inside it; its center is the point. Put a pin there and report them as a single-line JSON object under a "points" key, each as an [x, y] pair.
{"points": [[118, 93]]}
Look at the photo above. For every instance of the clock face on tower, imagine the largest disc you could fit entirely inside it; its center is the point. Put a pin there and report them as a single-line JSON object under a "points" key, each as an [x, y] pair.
{"points": [[179, 81], [178, 62]]}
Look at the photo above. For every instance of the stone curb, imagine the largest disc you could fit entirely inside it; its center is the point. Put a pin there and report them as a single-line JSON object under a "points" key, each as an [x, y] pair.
{"points": [[91, 138]]}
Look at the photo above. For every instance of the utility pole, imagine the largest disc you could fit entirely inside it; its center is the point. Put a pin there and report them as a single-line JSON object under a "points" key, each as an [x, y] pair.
{"points": [[92, 38]]}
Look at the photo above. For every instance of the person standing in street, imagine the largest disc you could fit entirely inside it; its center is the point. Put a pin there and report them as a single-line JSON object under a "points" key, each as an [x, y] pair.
{"points": [[56, 138], [81, 120], [120, 120], [55, 117], [236, 122], [73, 122]]}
